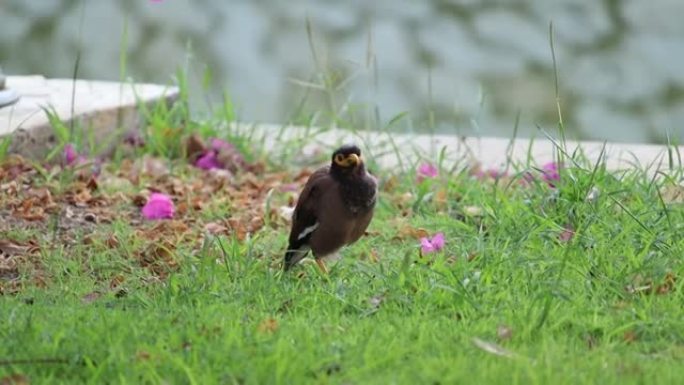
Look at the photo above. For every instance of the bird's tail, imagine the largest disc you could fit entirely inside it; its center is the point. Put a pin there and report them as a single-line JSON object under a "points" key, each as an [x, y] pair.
{"points": [[294, 255]]}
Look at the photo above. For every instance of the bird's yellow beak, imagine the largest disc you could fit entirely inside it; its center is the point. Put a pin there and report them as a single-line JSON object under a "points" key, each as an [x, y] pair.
{"points": [[348, 161], [354, 160]]}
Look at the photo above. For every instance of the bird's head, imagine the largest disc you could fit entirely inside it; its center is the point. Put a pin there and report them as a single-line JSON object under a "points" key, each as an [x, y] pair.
{"points": [[346, 160]]}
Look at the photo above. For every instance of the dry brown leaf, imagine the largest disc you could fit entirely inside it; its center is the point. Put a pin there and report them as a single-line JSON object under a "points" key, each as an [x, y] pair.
{"points": [[112, 242], [159, 258], [139, 200], [181, 209], [629, 336], [472, 256], [154, 167], [238, 228], [668, 284], [268, 326], [8, 247], [408, 231], [80, 198], [641, 285], [30, 210], [373, 256], [390, 184], [441, 199], [215, 228], [143, 355], [116, 281], [15, 379], [673, 194], [255, 224], [194, 147], [303, 175], [90, 297], [401, 200], [10, 188], [504, 332]]}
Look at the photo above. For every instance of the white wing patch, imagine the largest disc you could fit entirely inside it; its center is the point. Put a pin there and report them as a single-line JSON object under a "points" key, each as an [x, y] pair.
{"points": [[307, 231]]}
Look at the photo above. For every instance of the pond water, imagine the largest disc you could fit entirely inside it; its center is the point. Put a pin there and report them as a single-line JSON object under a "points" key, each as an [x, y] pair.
{"points": [[457, 66]]}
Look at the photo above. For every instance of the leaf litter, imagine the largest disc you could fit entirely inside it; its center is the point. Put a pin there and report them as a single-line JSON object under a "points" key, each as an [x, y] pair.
{"points": [[65, 208]]}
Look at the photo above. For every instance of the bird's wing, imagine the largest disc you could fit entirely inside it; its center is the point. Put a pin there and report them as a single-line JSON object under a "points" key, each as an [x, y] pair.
{"points": [[305, 216]]}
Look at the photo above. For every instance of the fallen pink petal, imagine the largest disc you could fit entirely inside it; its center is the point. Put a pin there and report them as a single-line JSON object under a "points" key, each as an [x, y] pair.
{"points": [[426, 170], [208, 161], [430, 245], [158, 206], [567, 234]]}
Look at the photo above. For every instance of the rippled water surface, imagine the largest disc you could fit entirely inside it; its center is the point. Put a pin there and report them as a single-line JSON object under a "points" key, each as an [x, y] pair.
{"points": [[459, 66]]}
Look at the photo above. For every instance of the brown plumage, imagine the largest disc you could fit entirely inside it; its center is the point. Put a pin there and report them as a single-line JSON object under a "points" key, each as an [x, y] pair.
{"points": [[334, 208]]}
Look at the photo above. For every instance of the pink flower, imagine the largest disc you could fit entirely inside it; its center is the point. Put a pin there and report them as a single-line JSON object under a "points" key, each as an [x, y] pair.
{"points": [[491, 173], [426, 170], [220, 154], [221, 145], [72, 157], [159, 206], [70, 154], [550, 173], [208, 161], [430, 245]]}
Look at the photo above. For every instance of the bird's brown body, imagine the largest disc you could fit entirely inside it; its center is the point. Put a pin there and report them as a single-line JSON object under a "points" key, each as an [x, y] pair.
{"points": [[334, 209]]}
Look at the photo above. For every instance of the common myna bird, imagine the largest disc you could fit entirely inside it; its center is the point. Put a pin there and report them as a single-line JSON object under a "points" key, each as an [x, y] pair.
{"points": [[334, 208]]}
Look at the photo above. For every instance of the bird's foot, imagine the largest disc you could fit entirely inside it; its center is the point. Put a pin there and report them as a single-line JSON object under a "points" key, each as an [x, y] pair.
{"points": [[321, 266]]}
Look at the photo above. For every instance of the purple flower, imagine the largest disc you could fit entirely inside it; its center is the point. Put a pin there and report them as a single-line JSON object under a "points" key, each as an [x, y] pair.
{"points": [[426, 170], [159, 206], [430, 245]]}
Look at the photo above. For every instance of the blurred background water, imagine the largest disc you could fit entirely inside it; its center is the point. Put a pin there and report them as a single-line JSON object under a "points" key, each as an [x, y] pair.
{"points": [[457, 66]]}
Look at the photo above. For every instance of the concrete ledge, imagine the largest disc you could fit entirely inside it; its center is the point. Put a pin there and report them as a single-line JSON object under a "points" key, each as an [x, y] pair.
{"points": [[103, 107], [488, 151]]}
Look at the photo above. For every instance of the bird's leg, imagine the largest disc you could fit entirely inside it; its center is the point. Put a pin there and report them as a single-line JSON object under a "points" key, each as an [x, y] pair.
{"points": [[321, 266]]}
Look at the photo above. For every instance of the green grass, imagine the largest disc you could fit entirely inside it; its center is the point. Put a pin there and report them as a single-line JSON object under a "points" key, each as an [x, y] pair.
{"points": [[585, 310], [508, 301]]}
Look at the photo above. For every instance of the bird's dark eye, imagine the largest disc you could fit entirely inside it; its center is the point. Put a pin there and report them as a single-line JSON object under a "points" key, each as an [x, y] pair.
{"points": [[340, 159]]}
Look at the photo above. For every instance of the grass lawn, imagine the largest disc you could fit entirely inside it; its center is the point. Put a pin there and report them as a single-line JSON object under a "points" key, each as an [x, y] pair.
{"points": [[569, 282]]}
